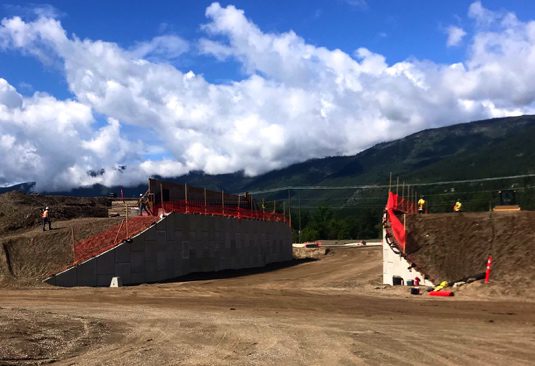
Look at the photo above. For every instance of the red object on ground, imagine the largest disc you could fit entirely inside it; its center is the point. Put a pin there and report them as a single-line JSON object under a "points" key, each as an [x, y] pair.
{"points": [[441, 293], [487, 273]]}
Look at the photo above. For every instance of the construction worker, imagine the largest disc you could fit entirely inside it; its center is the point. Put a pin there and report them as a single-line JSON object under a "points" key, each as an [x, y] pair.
{"points": [[442, 285], [45, 217], [143, 202], [458, 206], [421, 205]]}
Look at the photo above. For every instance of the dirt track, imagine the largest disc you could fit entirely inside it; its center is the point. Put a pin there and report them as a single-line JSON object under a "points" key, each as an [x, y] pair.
{"points": [[326, 312]]}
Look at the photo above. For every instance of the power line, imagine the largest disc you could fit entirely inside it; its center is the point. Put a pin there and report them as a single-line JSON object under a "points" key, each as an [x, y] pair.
{"points": [[381, 186]]}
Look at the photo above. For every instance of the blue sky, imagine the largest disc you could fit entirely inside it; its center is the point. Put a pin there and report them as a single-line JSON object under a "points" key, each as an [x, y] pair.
{"points": [[167, 87]]}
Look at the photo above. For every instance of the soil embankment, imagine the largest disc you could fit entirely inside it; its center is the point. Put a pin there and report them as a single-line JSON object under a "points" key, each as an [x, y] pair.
{"points": [[455, 246], [27, 254]]}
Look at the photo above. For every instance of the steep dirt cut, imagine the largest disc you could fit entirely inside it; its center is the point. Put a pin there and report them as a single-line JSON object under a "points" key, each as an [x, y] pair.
{"points": [[453, 246], [27, 254], [28, 257]]}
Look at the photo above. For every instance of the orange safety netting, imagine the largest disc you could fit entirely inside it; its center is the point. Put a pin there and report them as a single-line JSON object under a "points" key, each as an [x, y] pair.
{"points": [[116, 234], [111, 237], [398, 205], [200, 208]]}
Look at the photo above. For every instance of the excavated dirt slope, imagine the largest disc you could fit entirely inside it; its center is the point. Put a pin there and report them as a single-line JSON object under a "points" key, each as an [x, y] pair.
{"points": [[454, 246], [27, 254]]}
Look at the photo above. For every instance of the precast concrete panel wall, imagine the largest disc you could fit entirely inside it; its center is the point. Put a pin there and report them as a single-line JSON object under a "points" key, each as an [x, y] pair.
{"points": [[394, 265], [182, 244]]}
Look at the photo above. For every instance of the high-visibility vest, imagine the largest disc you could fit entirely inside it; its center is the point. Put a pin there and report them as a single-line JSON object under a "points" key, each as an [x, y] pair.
{"points": [[421, 203], [457, 207], [44, 215]]}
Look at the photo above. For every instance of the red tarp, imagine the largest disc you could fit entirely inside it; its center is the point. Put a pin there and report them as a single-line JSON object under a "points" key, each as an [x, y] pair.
{"points": [[441, 293]]}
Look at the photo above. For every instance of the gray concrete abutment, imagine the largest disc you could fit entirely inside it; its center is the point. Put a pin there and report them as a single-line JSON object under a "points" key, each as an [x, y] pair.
{"points": [[181, 244]]}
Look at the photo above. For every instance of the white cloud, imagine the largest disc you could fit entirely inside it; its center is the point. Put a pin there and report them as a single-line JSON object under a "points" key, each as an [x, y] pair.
{"points": [[297, 101], [455, 35], [166, 47], [358, 4]]}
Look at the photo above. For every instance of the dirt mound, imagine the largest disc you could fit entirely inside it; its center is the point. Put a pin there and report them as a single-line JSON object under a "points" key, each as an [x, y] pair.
{"points": [[19, 211], [27, 254], [455, 246], [28, 257]]}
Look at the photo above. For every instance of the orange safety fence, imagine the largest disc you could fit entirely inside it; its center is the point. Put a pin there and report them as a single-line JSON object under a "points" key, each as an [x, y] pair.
{"points": [[200, 208], [111, 237], [116, 234], [394, 206]]}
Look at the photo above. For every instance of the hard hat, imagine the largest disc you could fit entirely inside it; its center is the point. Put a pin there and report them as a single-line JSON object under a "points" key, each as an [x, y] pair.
{"points": [[46, 208], [140, 195]]}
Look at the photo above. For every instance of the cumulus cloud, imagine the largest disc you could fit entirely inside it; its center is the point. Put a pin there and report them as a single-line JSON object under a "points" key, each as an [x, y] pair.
{"points": [[455, 35], [297, 101]]}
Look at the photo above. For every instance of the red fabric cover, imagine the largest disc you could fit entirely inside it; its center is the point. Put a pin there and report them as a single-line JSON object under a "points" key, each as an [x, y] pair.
{"points": [[441, 293]]}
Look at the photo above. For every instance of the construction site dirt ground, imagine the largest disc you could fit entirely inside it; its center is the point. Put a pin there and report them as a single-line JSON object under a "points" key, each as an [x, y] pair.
{"points": [[331, 311]]}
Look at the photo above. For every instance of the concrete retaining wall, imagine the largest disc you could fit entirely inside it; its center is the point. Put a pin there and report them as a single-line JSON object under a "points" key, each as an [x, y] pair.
{"points": [[395, 265], [181, 244]]}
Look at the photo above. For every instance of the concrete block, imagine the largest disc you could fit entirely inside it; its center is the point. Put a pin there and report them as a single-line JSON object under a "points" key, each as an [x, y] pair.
{"points": [[138, 278], [151, 271], [137, 262], [106, 263], [124, 271], [161, 260], [116, 282], [122, 253], [185, 250], [161, 236], [64, 279], [104, 280], [86, 273]]}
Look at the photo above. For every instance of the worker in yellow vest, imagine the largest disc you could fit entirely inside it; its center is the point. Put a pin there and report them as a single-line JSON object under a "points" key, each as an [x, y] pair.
{"points": [[421, 205], [458, 206]]}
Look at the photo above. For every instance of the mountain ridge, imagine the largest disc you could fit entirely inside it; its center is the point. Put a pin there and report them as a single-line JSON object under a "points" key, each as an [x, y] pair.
{"points": [[478, 149]]}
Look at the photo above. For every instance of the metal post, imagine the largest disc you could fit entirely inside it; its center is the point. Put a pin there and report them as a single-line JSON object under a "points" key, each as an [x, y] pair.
{"points": [[161, 196], [73, 249], [299, 214], [390, 183], [186, 196], [126, 220], [205, 201], [223, 202], [289, 209], [239, 196], [397, 184], [402, 194]]}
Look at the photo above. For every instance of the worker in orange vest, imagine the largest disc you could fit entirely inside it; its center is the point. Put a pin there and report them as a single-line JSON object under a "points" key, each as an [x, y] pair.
{"points": [[45, 217]]}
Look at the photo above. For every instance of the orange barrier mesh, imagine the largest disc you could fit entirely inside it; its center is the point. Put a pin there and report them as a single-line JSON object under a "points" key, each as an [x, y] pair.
{"points": [[111, 237], [115, 235], [398, 205], [200, 208]]}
